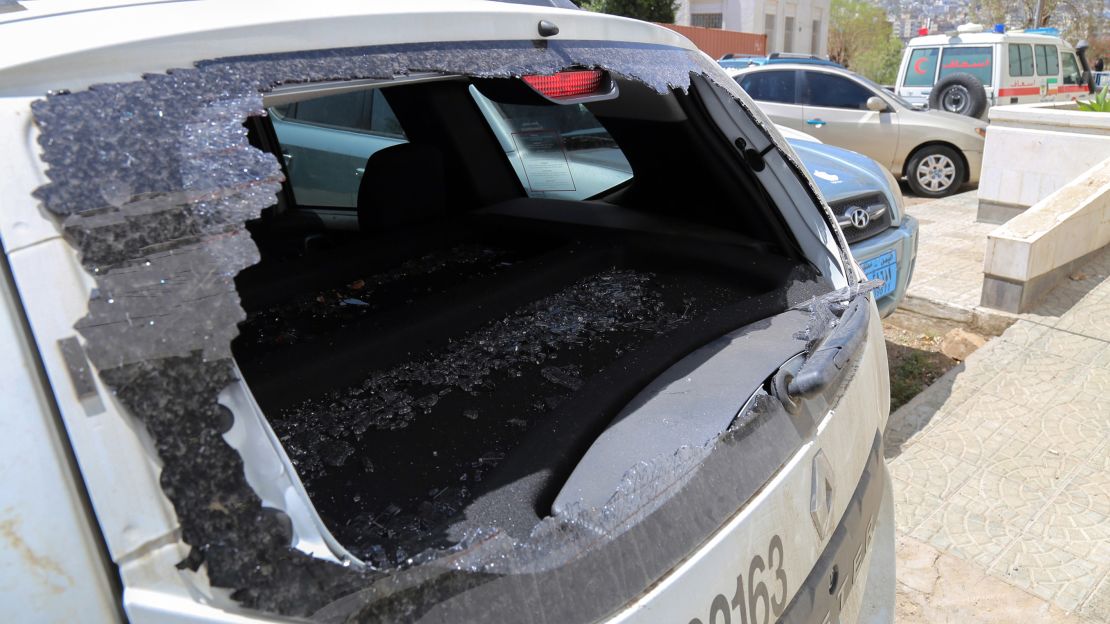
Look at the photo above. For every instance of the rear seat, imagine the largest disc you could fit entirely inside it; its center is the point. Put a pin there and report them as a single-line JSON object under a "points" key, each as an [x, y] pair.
{"points": [[402, 185]]}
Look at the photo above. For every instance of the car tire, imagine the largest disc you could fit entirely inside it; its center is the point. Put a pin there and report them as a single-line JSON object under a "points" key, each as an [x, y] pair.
{"points": [[935, 171], [960, 93]]}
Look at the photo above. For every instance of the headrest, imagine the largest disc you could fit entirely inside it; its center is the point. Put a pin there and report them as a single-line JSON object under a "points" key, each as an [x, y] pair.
{"points": [[402, 184]]}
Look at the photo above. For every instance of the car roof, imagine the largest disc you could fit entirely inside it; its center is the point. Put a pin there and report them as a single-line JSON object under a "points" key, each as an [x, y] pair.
{"points": [[750, 61], [69, 44], [985, 38], [832, 69], [23, 10]]}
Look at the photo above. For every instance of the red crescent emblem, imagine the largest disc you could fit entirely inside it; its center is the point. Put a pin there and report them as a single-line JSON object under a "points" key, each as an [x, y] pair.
{"points": [[917, 65]]}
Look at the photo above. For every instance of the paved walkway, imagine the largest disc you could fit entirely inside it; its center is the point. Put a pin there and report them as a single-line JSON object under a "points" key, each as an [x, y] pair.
{"points": [[1002, 468], [948, 279], [950, 250]]}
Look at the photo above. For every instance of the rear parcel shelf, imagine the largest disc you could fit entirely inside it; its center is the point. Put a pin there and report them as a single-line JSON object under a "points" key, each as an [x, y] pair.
{"points": [[478, 375]]}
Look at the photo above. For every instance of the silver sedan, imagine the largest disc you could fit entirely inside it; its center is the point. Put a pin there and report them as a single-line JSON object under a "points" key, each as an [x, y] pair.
{"points": [[936, 152]]}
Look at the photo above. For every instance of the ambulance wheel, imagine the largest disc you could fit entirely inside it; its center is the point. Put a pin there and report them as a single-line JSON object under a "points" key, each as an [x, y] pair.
{"points": [[961, 93]]}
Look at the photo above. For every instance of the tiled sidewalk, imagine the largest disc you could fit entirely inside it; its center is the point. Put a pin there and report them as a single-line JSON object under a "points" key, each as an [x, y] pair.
{"points": [[950, 250], [1005, 462]]}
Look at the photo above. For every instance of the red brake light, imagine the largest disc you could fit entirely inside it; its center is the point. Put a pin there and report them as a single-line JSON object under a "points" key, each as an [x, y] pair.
{"points": [[567, 84]]}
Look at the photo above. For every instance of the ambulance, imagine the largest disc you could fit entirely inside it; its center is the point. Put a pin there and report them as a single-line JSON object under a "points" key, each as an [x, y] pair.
{"points": [[968, 71]]}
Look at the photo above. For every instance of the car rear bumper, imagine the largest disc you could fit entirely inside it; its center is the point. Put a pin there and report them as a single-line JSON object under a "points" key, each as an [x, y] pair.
{"points": [[902, 240], [877, 599], [853, 581]]}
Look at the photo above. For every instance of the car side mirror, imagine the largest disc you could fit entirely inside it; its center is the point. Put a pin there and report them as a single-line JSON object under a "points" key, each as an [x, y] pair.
{"points": [[876, 103]]}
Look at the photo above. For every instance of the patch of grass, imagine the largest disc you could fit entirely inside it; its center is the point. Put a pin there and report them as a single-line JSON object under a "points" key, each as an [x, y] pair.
{"points": [[912, 370], [906, 379]]}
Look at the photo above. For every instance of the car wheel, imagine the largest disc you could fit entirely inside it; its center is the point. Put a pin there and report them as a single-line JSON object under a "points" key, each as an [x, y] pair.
{"points": [[935, 171], [960, 93]]}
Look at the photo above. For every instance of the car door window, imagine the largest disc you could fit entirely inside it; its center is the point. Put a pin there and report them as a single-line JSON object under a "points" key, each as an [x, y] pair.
{"points": [[1072, 75], [1048, 60], [1021, 60], [382, 119], [364, 111], [345, 111], [832, 91], [770, 86], [326, 141], [968, 60], [922, 68]]}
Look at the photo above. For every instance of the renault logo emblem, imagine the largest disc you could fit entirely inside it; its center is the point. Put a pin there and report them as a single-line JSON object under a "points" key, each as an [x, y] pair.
{"points": [[859, 217], [821, 494]]}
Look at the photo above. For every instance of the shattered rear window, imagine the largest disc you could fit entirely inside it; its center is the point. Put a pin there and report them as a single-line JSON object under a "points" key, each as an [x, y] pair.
{"points": [[153, 183]]}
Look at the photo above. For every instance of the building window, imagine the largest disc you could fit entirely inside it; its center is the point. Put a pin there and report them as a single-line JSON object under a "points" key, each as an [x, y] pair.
{"points": [[769, 30], [707, 20], [815, 38], [788, 35]]}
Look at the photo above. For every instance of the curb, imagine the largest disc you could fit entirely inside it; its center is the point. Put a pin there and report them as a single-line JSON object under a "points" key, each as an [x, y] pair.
{"points": [[984, 320]]}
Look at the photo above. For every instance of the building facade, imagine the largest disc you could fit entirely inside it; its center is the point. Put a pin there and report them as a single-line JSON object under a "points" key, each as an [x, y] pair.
{"points": [[798, 26]]}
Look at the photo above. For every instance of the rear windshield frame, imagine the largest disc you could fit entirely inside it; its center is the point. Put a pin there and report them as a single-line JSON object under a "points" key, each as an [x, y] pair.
{"points": [[189, 206]]}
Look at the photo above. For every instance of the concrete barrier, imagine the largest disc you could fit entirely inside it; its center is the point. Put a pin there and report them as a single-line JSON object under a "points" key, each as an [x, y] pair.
{"points": [[1034, 149], [1028, 255]]}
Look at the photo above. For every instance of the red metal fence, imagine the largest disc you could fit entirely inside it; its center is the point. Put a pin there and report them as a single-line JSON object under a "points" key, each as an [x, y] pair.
{"points": [[716, 42]]}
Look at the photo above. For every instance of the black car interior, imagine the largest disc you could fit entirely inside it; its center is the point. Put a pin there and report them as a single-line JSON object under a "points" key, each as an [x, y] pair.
{"points": [[450, 245]]}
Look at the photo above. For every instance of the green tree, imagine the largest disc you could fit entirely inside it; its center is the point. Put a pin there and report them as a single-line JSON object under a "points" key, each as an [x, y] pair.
{"points": [[881, 62], [862, 39], [647, 10]]}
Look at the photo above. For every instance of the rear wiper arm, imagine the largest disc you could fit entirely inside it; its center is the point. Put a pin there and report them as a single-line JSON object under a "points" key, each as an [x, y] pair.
{"points": [[830, 358]]}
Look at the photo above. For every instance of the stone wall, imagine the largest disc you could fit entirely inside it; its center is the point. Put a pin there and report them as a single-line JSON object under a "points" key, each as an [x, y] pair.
{"points": [[1034, 149], [1028, 255]]}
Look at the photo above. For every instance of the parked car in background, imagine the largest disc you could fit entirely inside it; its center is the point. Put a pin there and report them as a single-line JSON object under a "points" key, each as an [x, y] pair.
{"points": [[741, 61], [936, 152], [868, 203], [573, 340], [325, 154], [968, 71]]}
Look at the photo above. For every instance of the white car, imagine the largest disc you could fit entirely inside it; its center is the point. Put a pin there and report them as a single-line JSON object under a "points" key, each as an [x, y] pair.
{"points": [[484, 392]]}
